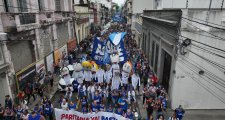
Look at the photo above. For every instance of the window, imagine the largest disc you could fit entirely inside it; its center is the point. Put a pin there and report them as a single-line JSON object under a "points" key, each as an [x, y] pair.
{"points": [[41, 5], [8, 5], [153, 51], [57, 5], [22, 5], [27, 18], [156, 58], [1, 56]]}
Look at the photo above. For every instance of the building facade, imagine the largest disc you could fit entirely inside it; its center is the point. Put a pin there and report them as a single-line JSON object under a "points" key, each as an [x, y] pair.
{"points": [[82, 19], [31, 30], [186, 51]]}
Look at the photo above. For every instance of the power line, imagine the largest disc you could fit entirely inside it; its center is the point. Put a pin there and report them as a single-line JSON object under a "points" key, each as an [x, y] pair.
{"points": [[209, 61], [204, 30], [200, 84], [208, 74], [196, 70], [204, 44], [206, 36], [188, 38], [203, 20], [204, 24], [205, 50]]}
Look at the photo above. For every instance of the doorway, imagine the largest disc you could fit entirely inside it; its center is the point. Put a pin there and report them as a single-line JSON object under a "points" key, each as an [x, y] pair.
{"points": [[166, 70]]}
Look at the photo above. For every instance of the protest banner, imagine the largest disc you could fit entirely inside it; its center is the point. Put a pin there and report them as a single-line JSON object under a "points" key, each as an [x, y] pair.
{"points": [[61, 114]]}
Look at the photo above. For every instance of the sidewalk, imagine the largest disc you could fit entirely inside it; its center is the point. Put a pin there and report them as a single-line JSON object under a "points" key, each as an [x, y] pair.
{"points": [[50, 94]]}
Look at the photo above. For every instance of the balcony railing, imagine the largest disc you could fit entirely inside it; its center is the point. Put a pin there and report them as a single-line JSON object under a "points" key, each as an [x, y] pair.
{"points": [[27, 18], [16, 22]]}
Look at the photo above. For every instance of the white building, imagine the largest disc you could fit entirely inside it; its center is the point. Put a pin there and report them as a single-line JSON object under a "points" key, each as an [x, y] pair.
{"points": [[192, 74], [134, 10], [34, 30]]}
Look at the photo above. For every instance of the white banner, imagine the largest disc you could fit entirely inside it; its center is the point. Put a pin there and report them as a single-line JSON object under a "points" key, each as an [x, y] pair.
{"points": [[50, 62], [40, 69], [75, 115]]}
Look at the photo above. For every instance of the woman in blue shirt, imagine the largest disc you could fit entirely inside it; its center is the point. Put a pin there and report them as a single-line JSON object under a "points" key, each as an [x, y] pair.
{"points": [[72, 106], [123, 102], [97, 98], [85, 109], [102, 106], [84, 101], [119, 111], [38, 109], [48, 110], [110, 109], [94, 107], [19, 112], [129, 114]]}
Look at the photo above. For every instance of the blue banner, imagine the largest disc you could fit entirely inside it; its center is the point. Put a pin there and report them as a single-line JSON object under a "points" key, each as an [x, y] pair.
{"points": [[98, 51], [122, 53]]}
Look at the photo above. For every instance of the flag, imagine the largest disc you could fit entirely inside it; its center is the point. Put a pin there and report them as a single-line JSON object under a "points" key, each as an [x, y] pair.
{"points": [[98, 51], [115, 38], [106, 58]]}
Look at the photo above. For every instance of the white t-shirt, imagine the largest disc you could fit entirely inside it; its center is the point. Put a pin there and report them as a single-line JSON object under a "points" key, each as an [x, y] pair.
{"points": [[108, 76], [64, 106], [125, 77], [100, 74], [87, 75]]}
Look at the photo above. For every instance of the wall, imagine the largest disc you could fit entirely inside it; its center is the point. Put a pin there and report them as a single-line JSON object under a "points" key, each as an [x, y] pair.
{"points": [[201, 91], [138, 7], [62, 34], [22, 54], [4, 88], [168, 4]]}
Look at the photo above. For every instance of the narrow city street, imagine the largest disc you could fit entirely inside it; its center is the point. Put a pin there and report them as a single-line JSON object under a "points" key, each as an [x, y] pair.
{"points": [[112, 60]]}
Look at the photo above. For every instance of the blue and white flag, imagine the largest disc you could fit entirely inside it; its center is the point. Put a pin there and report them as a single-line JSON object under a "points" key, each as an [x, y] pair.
{"points": [[115, 38], [106, 59], [98, 51], [122, 53]]}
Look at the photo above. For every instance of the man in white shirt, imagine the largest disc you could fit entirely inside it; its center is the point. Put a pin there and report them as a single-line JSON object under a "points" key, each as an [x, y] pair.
{"points": [[100, 74], [136, 81], [108, 74], [87, 75]]}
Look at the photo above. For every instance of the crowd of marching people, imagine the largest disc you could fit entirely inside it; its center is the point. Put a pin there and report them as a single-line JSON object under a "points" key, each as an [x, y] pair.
{"points": [[109, 91], [111, 87]]}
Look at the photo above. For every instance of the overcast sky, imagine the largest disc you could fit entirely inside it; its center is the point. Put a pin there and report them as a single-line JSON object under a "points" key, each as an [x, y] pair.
{"points": [[120, 2]]}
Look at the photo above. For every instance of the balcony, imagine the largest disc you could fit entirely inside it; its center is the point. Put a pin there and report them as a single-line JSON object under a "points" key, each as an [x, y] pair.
{"points": [[82, 20], [17, 22], [8, 22], [46, 18]]}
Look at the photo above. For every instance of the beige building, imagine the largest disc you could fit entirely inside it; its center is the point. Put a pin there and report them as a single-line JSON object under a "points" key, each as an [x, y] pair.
{"points": [[31, 30], [82, 25]]}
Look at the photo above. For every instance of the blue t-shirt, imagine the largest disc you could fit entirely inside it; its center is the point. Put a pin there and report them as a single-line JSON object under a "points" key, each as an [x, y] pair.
{"points": [[37, 117], [102, 107], [130, 116], [97, 99], [84, 110], [94, 108], [123, 103], [109, 110], [83, 102], [37, 109], [19, 112], [75, 85], [72, 106], [48, 110], [179, 113], [119, 113]]}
